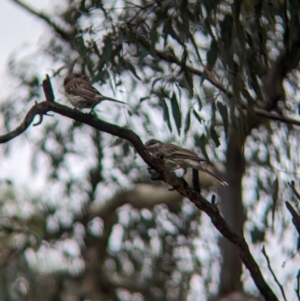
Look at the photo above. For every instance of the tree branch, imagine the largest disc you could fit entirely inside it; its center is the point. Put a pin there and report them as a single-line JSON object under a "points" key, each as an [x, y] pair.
{"points": [[210, 77], [272, 272], [180, 185], [297, 194], [295, 215]]}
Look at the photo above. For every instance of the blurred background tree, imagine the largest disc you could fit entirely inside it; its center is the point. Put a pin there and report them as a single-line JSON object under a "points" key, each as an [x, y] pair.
{"points": [[218, 77]]}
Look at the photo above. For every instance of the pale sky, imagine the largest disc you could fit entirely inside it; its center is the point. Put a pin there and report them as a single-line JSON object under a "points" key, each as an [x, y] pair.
{"points": [[17, 29]]}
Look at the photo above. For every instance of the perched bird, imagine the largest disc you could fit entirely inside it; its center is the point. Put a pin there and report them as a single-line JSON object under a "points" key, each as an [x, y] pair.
{"points": [[176, 157], [81, 93]]}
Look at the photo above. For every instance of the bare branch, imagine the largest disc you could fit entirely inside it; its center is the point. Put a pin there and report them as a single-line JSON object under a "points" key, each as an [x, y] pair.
{"points": [[277, 117], [171, 58], [178, 184], [295, 215], [263, 250], [297, 194]]}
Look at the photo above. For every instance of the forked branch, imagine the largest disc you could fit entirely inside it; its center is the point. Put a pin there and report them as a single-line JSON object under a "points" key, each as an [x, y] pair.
{"points": [[178, 184]]}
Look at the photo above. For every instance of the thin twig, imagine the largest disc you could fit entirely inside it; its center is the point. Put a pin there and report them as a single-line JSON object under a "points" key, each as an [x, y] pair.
{"points": [[272, 272], [297, 194], [295, 215]]}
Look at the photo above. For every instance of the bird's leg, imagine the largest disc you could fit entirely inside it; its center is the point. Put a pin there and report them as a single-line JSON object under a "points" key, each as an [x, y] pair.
{"points": [[155, 176], [92, 110]]}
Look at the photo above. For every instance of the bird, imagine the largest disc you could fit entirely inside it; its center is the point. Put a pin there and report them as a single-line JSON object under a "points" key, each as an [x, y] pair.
{"points": [[81, 94], [176, 157]]}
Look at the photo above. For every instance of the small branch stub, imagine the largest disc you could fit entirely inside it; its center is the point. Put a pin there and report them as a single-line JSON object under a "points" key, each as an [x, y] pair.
{"points": [[48, 90]]}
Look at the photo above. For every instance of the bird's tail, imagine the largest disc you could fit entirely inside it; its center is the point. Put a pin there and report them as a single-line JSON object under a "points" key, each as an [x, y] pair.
{"points": [[222, 182], [114, 100]]}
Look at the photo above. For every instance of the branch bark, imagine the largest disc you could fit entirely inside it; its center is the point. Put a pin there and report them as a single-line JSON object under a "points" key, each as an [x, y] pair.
{"points": [[180, 185]]}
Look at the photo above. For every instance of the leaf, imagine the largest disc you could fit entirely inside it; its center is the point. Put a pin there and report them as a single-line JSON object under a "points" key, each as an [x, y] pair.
{"points": [[153, 35], [203, 77], [166, 30], [227, 31], [169, 30], [198, 117], [131, 69], [76, 124], [257, 235], [202, 142], [144, 98], [274, 199], [106, 53], [212, 54], [213, 112], [117, 142], [185, 23], [190, 84], [200, 105], [176, 112], [166, 113], [155, 81], [253, 80], [214, 136], [187, 121], [195, 47], [224, 114]]}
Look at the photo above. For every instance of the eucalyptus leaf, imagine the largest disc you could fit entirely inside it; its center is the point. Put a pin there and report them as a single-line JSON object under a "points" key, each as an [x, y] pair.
{"points": [[187, 121], [202, 141], [274, 199], [214, 136], [166, 113], [224, 114], [176, 112], [198, 117], [212, 54]]}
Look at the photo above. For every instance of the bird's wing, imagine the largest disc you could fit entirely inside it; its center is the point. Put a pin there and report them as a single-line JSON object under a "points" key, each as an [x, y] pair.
{"points": [[82, 88], [175, 152], [86, 90]]}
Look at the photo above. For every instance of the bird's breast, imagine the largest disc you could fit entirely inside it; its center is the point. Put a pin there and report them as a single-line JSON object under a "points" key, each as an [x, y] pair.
{"points": [[79, 101]]}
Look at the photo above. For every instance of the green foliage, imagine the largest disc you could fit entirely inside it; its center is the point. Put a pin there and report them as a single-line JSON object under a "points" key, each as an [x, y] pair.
{"points": [[189, 71]]}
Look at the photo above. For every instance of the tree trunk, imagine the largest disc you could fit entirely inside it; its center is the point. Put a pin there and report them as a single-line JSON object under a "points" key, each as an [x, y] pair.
{"points": [[233, 211]]}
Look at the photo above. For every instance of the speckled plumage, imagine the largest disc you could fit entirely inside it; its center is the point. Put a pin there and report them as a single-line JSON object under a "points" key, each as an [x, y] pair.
{"points": [[176, 157], [81, 94]]}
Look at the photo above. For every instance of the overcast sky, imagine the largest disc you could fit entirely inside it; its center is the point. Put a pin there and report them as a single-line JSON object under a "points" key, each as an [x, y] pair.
{"points": [[17, 29]]}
